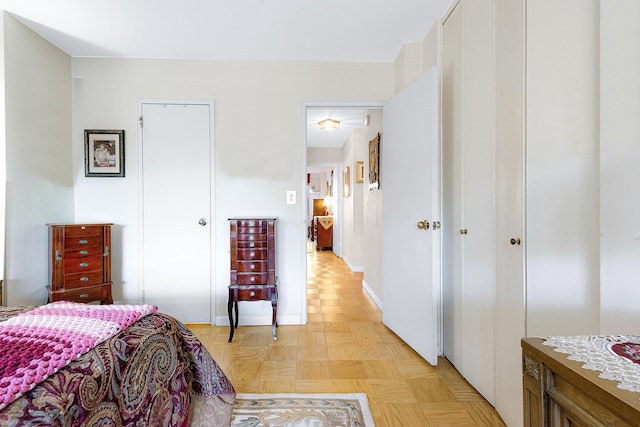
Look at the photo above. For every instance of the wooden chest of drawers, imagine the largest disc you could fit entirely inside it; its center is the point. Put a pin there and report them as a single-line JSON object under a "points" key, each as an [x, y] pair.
{"points": [[80, 262], [560, 392], [323, 232], [253, 265]]}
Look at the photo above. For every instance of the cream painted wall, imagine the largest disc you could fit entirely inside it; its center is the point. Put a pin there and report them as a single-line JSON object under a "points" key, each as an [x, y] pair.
{"points": [[562, 167], [352, 206], [258, 149], [415, 58], [324, 156], [37, 103], [619, 160], [372, 224]]}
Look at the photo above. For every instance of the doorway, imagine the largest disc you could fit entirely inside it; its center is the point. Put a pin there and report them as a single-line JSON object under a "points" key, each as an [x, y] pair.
{"points": [[335, 151], [176, 188]]}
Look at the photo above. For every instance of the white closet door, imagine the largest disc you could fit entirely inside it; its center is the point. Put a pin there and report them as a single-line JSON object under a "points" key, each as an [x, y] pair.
{"points": [[410, 178], [510, 207], [468, 147], [176, 193], [453, 344], [478, 197]]}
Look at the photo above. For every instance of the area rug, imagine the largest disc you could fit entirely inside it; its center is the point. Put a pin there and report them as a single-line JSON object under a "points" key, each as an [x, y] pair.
{"points": [[293, 410]]}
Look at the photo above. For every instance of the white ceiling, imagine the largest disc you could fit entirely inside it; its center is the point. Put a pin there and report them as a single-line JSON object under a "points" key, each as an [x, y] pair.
{"points": [[315, 30], [327, 30]]}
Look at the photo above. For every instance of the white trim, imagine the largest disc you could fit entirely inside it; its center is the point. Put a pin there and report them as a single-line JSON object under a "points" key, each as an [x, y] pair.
{"points": [[354, 268], [259, 320], [446, 15], [372, 294], [439, 62]]}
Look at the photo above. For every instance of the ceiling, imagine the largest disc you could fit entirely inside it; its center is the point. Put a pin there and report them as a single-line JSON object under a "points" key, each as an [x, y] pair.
{"points": [[314, 30]]}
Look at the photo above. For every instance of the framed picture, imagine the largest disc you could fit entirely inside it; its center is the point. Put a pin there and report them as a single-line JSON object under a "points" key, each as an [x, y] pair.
{"points": [[359, 172], [104, 153], [374, 163], [346, 181]]}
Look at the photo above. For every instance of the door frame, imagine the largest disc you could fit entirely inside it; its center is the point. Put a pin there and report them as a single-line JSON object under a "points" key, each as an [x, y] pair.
{"points": [[303, 242], [212, 219]]}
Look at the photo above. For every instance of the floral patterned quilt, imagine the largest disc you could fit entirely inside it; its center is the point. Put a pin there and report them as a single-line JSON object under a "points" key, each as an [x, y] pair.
{"points": [[154, 373]]}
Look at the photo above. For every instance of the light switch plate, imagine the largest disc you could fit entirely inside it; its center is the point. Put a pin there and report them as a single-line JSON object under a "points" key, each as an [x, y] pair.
{"points": [[291, 197]]}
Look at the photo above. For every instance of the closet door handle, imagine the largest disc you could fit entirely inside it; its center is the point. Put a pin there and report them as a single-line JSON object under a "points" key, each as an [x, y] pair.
{"points": [[463, 231], [515, 241]]}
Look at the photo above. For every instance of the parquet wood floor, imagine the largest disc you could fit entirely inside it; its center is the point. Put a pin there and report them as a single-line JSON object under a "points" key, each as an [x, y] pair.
{"points": [[345, 348]]}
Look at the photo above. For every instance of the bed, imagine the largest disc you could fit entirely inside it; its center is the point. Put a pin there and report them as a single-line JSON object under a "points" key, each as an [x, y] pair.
{"points": [[581, 381], [154, 372]]}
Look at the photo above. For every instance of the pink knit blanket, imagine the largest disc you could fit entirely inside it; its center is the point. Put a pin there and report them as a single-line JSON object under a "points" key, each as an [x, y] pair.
{"points": [[37, 343]]}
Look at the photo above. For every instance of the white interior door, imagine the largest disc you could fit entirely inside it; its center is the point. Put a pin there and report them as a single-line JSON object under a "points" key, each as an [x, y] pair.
{"points": [[176, 194], [409, 175]]}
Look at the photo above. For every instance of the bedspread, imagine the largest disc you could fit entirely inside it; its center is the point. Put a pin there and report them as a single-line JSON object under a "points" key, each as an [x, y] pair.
{"points": [[43, 340], [154, 373]]}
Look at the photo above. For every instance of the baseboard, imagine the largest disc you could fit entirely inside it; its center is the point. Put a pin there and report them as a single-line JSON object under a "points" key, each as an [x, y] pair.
{"points": [[355, 269], [372, 294], [259, 320]]}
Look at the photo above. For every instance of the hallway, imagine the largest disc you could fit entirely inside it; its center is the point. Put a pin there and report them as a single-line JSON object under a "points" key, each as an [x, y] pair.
{"points": [[345, 348]]}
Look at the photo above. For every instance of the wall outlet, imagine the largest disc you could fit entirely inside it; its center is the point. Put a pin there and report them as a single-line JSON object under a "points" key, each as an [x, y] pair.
{"points": [[291, 197]]}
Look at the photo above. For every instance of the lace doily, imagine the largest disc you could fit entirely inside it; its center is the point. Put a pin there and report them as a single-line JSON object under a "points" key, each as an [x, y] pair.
{"points": [[614, 356]]}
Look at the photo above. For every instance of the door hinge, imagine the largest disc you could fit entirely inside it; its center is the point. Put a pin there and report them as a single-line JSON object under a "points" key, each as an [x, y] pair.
{"points": [[143, 298], [141, 121]]}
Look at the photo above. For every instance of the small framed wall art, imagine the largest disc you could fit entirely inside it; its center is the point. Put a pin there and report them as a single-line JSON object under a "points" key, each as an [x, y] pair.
{"points": [[103, 153], [374, 163], [346, 182], [359, 171]]}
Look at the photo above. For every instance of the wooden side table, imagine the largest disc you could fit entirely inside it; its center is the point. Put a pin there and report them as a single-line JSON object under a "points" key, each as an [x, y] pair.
{"points": [[80, 262], [323, 232], [253, 266]]}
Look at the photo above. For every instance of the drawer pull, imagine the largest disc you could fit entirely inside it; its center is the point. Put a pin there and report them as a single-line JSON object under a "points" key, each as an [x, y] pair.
{"points": [[251, 237], [252, 245], [84, 296], [253, 266], [84, 279], [84, 252], [83, 242], [253, 279], [252, 293], [252, 254], [84, 264]]}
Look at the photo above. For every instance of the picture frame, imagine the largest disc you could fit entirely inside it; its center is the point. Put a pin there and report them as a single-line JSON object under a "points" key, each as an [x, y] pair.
{"points": [[104, 153], [374, 163], [346, 182], [359, 171]]}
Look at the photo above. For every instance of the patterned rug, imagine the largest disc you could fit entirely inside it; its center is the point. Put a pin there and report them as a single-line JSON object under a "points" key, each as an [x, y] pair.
{"points": [[292, 410]]}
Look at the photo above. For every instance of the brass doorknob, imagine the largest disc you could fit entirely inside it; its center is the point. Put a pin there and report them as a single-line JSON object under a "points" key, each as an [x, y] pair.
{"points": [[463, 231], [515, 241], [423, 225]]}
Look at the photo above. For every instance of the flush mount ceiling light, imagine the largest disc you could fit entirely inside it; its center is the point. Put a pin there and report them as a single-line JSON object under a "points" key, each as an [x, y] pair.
{"points": [[329, 124]]}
